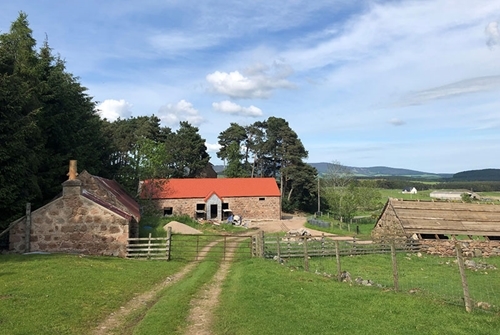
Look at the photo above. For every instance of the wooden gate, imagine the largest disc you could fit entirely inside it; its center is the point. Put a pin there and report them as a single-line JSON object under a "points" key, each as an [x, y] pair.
{"points": [[192, 247]]}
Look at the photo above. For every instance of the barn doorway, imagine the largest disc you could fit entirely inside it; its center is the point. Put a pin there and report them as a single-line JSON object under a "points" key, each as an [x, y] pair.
{"points": [[213, 211]]}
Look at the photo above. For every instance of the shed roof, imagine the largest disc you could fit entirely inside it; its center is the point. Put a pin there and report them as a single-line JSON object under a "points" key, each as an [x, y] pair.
{"points": [[449, 218], [204, 187]]}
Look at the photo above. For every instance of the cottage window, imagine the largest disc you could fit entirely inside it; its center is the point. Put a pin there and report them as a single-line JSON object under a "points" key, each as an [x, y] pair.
{"points": [[168, 211], [200, 212], [262, 199]]}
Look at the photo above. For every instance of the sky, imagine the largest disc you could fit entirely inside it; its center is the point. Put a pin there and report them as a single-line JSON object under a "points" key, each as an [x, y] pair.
{"points": [[405, 84]]}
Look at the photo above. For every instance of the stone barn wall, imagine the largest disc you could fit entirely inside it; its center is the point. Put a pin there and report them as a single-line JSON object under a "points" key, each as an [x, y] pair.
{"points": [[247, 207], [388, 226], [74, 224]]}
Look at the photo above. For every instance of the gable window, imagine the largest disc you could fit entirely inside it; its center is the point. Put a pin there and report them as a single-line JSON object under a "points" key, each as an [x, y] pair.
{"points": [[168, 211]]}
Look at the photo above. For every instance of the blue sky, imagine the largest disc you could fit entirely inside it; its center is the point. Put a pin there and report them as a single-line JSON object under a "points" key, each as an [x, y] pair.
{"points": [[408, 84]]}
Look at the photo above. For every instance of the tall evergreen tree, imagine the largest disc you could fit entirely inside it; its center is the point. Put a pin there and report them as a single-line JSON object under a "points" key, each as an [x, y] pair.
{"points": [[70, 125], [134, 141], [19, 134], [230, 141], [187, 151]]}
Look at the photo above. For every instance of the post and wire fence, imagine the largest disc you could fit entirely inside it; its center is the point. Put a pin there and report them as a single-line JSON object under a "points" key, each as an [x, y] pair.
{"points": [[399, 265]]}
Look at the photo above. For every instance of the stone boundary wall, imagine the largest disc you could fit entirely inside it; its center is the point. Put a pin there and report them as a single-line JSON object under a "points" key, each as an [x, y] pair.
{"points": [[73, 224], [247, 207], [470, 248]]}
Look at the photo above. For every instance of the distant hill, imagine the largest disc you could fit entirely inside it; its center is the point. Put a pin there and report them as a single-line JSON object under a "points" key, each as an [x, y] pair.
{"points": [[382, 171], [478, 175], [375, 171]]}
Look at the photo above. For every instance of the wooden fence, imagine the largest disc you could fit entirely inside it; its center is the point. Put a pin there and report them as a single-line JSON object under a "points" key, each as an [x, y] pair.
{"points": [[328, 246]]}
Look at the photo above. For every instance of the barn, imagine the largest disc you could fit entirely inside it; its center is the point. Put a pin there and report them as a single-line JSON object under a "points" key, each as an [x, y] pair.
{"points": [[453, 194], [433, 222], [215, 199], [93, 215]]}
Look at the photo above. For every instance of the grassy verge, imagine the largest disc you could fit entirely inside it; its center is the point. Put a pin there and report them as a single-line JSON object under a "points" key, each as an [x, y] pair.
{"points": [[261, 297], [67, 294], [364, 228]]}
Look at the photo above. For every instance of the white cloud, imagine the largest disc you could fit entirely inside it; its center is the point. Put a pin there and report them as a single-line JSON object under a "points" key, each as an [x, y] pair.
{"points": [[212, 147], [454, 89], [235, 109], [182, 111], [179, 42], [111, 109], [258, 81], [493, 33]]}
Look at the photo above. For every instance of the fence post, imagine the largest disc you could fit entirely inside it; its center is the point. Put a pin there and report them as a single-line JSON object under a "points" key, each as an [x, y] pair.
{"points": [[149, 246], [306, 256], [27, 239], [278, 251], [337, 256], [262, 244], [465, 286], [323, 244], [394, 266], [169, 242]]}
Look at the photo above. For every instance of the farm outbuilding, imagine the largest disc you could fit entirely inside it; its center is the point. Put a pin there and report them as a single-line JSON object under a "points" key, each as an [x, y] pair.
{"points": [[215, 198], [453, 194], [93, 215], [435, 224], [434, 220]]}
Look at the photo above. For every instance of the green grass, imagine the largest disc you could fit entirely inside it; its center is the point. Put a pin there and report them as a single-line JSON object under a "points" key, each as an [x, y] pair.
{"points": [[173, 306], [434, 276], [67, 294], [262, 296], [342, 229]]}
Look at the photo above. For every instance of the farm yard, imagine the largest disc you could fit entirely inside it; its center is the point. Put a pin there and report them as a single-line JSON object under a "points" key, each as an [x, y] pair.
{"points": [[49, 294], [76, 294]]}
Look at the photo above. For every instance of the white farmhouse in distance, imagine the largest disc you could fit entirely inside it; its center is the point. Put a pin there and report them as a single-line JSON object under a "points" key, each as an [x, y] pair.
{"points": [[409, 190]]}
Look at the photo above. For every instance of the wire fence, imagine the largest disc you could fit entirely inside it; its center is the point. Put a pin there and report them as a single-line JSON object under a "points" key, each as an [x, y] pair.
{"points": [[473, 282]]}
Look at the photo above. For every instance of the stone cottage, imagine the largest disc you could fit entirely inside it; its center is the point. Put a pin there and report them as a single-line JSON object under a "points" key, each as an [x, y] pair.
{"points": [[215, 198], [92, 216]]}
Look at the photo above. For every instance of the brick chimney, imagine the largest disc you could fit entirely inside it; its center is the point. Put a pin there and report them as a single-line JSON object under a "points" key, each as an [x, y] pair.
{"points": [[72, 186]]}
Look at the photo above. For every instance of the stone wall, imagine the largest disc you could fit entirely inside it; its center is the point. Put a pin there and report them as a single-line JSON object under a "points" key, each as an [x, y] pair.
{"points": [[388, 226], [73, 224], [248, 207], [470, 248]]}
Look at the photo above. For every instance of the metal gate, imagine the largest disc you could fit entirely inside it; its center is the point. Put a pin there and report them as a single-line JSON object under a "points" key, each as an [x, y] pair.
{"points": [[194, 247]]}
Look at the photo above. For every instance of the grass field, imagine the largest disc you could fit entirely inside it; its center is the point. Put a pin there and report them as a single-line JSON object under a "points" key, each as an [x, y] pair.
{"points": [[65, 294]]}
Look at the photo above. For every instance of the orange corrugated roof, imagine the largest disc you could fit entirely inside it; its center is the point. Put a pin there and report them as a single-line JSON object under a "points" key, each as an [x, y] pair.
{"points": [[203, 187]]}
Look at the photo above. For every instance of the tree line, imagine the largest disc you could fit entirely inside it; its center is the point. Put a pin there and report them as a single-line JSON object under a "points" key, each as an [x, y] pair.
{"points": [[47, 118]]}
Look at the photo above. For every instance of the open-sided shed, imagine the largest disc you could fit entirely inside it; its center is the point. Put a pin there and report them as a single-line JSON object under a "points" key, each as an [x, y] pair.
{"points": [[437, 220]]}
